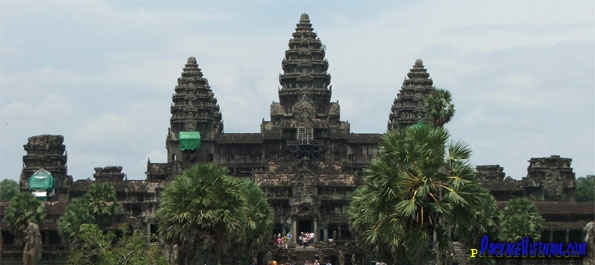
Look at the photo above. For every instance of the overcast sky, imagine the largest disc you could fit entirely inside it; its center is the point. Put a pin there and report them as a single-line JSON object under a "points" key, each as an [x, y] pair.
{"points": [[102, 73]]}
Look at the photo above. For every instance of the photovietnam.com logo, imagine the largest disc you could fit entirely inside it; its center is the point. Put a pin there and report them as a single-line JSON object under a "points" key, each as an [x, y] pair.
{"points": [[528, 249]]}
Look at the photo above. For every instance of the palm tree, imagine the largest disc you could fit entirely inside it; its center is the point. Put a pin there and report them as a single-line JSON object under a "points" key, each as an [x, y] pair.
{"points": [[202, 209], [259, 221], [520, 219], [439, 107], [421, 186], [23, 208], [486, 221], [23, 214]]}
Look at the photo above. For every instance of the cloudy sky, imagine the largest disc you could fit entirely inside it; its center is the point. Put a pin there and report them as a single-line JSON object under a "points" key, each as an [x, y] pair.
{"points": [[102, 73]]}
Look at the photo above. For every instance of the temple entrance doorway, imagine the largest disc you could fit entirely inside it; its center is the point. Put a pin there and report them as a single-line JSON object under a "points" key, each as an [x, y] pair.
{"points": [[305, 226]]}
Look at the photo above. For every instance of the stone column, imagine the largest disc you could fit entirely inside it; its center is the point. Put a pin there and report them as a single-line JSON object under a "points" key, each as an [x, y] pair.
{"points": [[551, 235], [294, 230], [148, 232], [567, 235], [325, 236], [46, 235], [316, 230]]}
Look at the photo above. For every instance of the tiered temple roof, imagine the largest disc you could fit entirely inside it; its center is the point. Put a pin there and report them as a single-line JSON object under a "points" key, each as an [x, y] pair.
{"points": [[305, 69], [194, 106], [408, 107]]}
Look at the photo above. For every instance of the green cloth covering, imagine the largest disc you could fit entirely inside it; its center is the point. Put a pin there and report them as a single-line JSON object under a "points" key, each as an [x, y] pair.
{"points": [[419, 125], [41, 180], [189, 140]]}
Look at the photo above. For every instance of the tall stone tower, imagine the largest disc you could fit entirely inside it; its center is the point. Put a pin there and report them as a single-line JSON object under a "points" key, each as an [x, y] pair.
{"points": [[408, 107], [305, 69], [304, 119], [195, 119], [47, 152]]}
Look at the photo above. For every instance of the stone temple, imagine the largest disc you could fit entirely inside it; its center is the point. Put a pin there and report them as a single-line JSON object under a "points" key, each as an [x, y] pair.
{"points": [[305, 158]]}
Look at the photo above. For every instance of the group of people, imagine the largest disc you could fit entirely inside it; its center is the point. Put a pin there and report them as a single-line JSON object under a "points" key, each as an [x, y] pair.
{"points": [[274, 262], [316, 262], [306, 239], [283, 241]]}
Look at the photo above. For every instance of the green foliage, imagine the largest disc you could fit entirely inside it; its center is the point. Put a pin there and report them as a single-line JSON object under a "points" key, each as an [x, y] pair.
{"points": [[414, 187], [439, 107], [102, 202], [23, 208], [8, 189], [98, 206], [99, 248], [205, 209], [486, 221], [520, 219], [585, 189], [259, 220], [75, 215]]}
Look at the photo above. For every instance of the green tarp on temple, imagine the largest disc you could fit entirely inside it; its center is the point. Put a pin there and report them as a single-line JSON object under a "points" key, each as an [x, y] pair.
{"points": [[189, 141], [41, 180]]}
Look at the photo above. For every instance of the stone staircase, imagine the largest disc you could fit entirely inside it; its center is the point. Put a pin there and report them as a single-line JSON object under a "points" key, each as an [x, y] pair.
{"points": [[301, 255]]}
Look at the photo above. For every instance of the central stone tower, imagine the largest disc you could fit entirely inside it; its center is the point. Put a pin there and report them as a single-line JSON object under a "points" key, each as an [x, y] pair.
{"points": [[304, 115], [305, 69]]}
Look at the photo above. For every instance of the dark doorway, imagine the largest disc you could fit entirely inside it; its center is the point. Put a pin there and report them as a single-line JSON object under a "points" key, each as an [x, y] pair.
{"points": [[305, 226]]}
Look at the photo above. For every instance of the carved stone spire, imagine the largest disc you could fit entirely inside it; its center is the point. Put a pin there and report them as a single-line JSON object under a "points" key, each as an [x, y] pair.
{"points": [[194, 106], [305, 69], [408, 107]]}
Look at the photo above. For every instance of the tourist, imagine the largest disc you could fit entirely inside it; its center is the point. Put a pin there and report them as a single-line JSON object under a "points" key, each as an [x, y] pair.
{"points": [[285, 242], [279, 241]]}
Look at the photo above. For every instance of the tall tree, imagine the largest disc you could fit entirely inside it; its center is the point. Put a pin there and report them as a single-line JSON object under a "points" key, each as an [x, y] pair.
{"points": [[486, 221], [23, 208], [520, 219], [8, 189], [23, 215], [202, 210], [439, 106], [98, 206], [585, 189], [259, 221], [416, 189]]}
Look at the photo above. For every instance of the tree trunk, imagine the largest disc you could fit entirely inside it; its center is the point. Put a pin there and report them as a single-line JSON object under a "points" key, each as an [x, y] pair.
{"points": [[437, 249]]}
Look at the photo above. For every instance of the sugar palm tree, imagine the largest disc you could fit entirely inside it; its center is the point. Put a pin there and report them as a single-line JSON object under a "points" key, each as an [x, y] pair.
{"points": [[23, 208], [202, 210], [439, 107], [258, 223], [24, 213], [486, 221], [421, 186]]}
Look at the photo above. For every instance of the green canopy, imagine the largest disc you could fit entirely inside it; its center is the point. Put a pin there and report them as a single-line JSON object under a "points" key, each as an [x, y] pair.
{"points": [[189, 140], [41, 180]]}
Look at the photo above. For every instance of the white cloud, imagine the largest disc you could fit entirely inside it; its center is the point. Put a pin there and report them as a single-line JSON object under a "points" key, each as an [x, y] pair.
{"points": [[520, 72], [48, 106]]}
